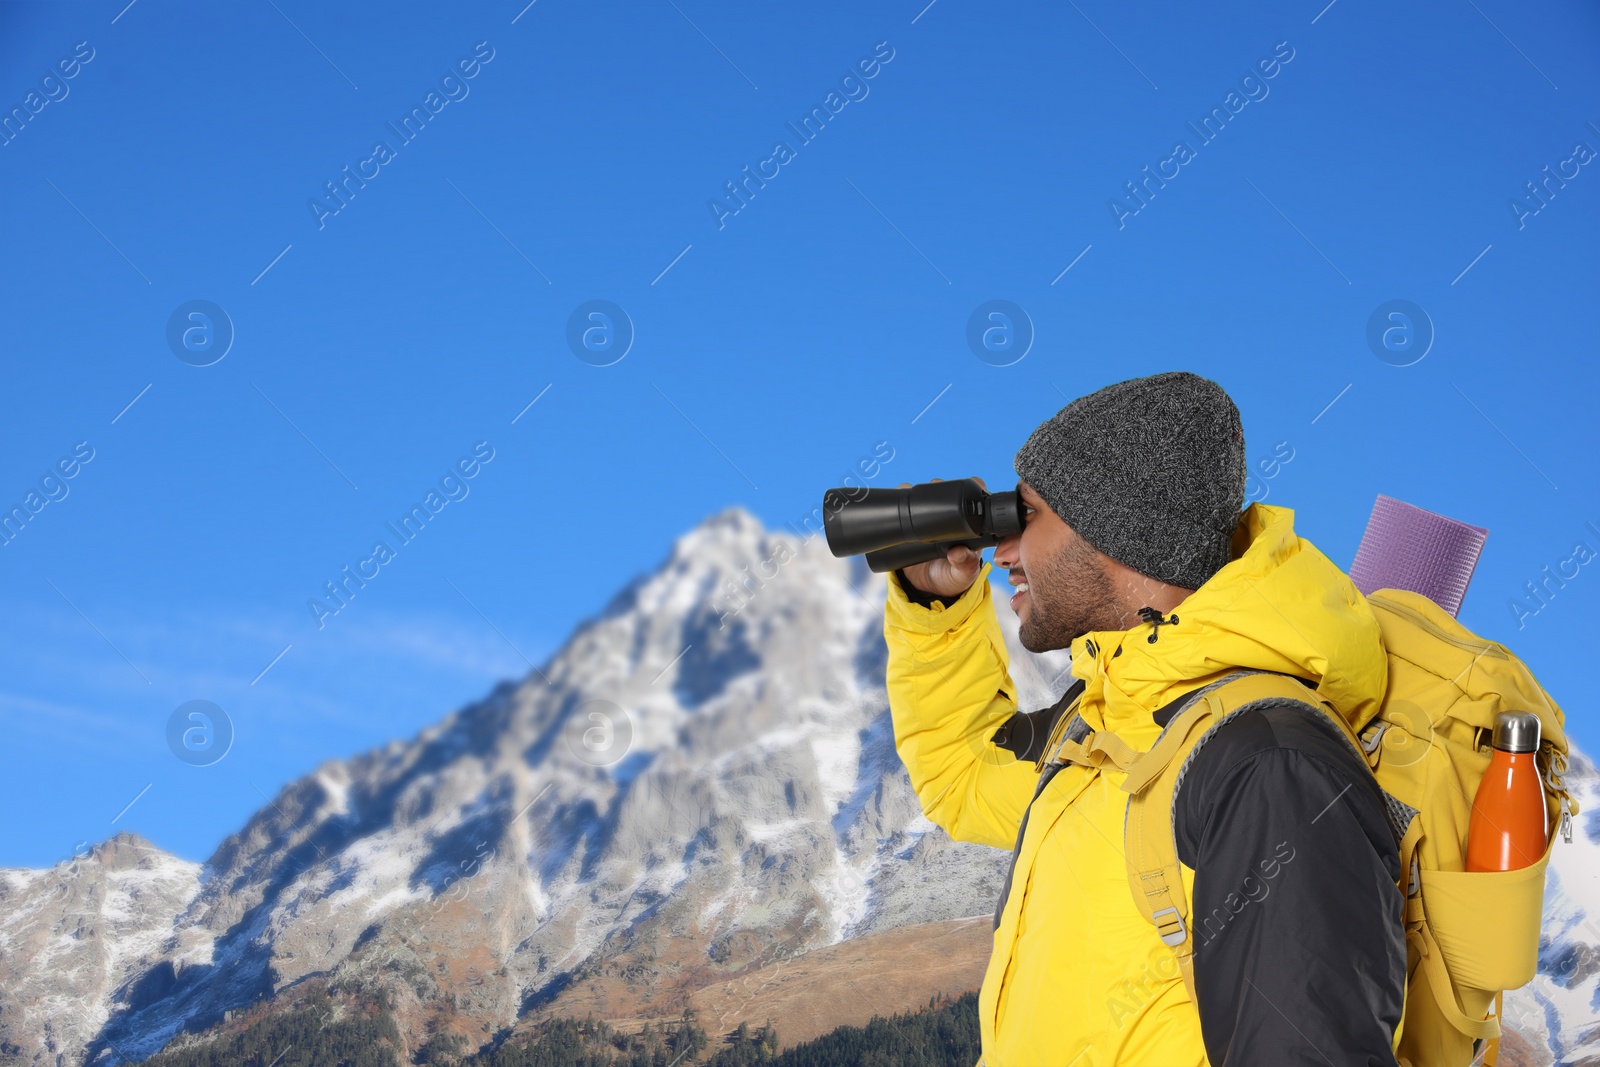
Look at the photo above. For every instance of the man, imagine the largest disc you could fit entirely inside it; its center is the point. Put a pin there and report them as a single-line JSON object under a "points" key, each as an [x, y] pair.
{"points": [[1134, 553]]}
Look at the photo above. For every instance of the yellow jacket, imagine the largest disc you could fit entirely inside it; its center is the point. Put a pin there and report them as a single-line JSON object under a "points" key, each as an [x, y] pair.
{"points": [[1076, 976]]}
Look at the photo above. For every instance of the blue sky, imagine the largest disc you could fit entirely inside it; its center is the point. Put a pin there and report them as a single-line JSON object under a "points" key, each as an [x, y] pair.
{"points": [[374, 347]]}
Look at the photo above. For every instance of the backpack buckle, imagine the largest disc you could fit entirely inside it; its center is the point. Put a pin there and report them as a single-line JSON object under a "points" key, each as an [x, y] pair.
{"points": [[1174, 933]]}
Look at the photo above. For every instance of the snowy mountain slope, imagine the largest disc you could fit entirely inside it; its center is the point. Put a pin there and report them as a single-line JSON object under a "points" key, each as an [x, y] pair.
{"points": [[78, 937], [1557, 1015]]}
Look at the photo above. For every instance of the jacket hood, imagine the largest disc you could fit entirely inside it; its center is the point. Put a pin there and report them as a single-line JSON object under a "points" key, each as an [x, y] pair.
{"points": [[1279, 604]]}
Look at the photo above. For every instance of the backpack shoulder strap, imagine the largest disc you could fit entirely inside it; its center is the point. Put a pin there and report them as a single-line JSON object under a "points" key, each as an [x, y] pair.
{"points": [[1152, 780]]}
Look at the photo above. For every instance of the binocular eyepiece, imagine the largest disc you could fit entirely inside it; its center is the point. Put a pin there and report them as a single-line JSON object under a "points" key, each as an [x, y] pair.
{"points": [[898, 527]]}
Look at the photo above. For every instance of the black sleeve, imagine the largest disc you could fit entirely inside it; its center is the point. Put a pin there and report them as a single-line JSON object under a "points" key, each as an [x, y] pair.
{"points": [[1027, 733], [1300, 954], [915, 595]]}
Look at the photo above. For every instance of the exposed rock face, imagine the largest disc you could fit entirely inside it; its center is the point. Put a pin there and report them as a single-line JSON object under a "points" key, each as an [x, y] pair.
{"points": [[83, 935], [702, 781]]}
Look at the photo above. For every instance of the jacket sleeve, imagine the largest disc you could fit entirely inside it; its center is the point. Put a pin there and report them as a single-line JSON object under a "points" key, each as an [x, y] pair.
{"points": [[1300, 953], [949, 691]]}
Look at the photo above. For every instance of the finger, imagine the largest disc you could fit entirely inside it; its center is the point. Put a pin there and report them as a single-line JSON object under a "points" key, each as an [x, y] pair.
{"points": [[980, 481], [903, 485]]}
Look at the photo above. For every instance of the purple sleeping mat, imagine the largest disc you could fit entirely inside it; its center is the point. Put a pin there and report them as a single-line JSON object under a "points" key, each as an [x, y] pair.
{"points": [[1407, 547]]}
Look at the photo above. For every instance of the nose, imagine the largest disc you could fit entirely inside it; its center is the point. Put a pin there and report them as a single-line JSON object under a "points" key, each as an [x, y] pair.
{"points": [[1008, 553]]}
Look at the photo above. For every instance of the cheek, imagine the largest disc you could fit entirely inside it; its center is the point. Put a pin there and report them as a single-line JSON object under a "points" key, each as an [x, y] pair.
{"points": [[1028, 547], [1041, 545], [1039, 555]]}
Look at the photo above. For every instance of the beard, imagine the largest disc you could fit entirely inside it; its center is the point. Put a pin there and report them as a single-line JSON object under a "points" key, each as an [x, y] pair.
{"points": [[1068, 597]]}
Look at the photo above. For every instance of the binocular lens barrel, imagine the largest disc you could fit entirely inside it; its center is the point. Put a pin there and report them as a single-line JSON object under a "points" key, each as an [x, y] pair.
{"points": [[897, 556], [897, 527]]}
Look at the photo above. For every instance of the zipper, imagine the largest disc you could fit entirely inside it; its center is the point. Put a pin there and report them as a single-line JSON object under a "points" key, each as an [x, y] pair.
{"points": [[1481, 647], [1555, 780]]}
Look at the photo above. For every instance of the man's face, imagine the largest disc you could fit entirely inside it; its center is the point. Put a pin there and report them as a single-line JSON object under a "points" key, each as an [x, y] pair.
{"points": [[1067, 590]]}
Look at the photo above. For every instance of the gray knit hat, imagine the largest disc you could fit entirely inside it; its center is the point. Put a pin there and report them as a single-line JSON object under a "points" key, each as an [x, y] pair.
{"points": [[1150, 471]]}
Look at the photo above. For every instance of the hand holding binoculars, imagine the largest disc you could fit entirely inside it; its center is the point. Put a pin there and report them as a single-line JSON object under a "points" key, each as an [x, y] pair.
{"points": [[896, 528]]}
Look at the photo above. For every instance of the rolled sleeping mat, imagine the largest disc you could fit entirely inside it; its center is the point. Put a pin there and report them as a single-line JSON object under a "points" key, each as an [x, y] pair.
{"points": [[1407, 547]]}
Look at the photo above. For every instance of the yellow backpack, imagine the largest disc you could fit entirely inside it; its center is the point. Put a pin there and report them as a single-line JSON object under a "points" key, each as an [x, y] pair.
{"points": [[1428, 745]]}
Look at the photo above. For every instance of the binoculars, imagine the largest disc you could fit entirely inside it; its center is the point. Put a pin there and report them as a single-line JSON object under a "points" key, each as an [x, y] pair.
{"points": [[898, 527]]}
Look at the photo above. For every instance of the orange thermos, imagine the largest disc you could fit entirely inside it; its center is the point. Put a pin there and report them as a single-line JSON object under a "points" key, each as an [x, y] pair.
{"points": [[1507, 828]]}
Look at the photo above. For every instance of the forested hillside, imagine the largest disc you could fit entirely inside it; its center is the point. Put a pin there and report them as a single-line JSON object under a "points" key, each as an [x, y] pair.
{"points": [[324, 1032]]}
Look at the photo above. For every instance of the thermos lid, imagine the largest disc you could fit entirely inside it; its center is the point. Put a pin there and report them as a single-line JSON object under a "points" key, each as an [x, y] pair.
{"points": [[1516, 731]]}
